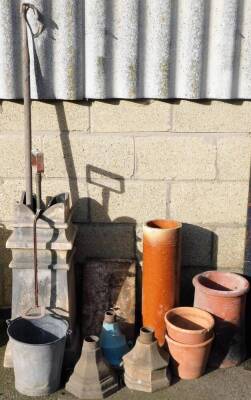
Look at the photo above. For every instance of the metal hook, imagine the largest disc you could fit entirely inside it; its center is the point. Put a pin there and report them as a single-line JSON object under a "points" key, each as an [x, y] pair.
{"points": [[24, 9]]}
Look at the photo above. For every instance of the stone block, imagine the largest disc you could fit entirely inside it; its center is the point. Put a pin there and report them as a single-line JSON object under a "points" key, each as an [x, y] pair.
{"points": [[213, 116], [135, 201], [12, 116], [175, 157], [10, 192], [233, 157], [197, 246], [231, 247], [78, 155], [60, 116], [130, 116], [209, 202], [12, 158], [46, 116]]}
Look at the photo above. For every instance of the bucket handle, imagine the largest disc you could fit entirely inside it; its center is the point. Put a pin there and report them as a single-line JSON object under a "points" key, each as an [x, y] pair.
{"points": [[8, 322]]}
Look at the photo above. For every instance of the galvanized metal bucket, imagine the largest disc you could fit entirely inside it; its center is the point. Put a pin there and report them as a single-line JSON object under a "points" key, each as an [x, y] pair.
{"points": [[38, 349]]}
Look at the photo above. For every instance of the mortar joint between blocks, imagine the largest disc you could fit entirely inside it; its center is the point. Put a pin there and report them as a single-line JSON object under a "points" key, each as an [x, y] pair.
{"points": [[134, 159], [216, 162], [168, 199], [89, 117]]}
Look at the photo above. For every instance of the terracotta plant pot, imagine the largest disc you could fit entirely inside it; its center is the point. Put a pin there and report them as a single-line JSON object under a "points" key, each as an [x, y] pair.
{"points": [[223, 294], [189, 361], [189, 325], [161, 272]]}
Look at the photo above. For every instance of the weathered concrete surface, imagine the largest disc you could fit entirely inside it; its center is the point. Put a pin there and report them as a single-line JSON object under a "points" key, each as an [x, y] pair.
{"points": [[212, 203], [180, 157], [130, 117], [111, 153], [214, 116], [229, 384], [231, 246], [67, 116], [139, 200], [233, 162], [125, 162]]}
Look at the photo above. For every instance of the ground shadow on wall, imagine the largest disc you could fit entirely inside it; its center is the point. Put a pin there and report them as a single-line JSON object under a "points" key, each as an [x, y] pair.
{"points": [[5, 271], [108, 183], [5, 283], [199, 253], [248, 324], [247, 270]]}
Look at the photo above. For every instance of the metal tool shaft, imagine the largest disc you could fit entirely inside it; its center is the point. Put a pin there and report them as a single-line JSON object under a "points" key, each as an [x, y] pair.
{"points": [[27, 107], [39, 190], [35, 256]]}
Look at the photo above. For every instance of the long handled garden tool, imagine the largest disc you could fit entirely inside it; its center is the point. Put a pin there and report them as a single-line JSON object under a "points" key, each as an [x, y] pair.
{"points": [[37, 157], [38, 162], [27, 105], [25, 7], [36, 311]]}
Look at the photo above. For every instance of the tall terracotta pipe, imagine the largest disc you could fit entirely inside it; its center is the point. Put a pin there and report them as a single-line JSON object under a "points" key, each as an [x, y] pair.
{"points": [[161, 272]]}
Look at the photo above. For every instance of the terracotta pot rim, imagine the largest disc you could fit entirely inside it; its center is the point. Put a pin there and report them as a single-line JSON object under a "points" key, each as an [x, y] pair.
{"points": [[222, 293], [158, 221], [190, 346], [209, 317]]}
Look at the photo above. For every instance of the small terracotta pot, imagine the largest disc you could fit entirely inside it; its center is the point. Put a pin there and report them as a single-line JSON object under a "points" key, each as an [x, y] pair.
{"points": [[189, 325], [161, 272], [223, 294], [189, 361]]}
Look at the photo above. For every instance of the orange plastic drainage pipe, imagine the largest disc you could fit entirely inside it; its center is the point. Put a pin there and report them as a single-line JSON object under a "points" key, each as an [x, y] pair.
{"points": [[161, 272]]}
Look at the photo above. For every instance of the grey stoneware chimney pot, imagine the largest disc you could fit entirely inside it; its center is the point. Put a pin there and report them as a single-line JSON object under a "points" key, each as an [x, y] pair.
{"points": [[146, 365], [92, 377]]}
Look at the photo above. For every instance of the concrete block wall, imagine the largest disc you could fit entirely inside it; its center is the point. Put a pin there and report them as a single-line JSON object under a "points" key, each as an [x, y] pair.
{"points": [[125, 162]]}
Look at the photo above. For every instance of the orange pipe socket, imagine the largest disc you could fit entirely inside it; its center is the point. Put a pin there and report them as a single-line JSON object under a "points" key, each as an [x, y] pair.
{"points": [[161, 272]]}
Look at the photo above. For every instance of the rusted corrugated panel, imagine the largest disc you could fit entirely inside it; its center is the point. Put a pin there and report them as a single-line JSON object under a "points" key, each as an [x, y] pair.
{"points": [[130, 49]]}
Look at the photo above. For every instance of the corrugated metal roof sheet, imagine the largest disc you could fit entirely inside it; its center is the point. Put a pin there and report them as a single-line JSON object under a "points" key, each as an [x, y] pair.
{"points": [[130, 49]]}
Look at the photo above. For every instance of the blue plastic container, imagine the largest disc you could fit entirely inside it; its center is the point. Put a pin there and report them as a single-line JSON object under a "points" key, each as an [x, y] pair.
{"points": [[113, 342]]}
